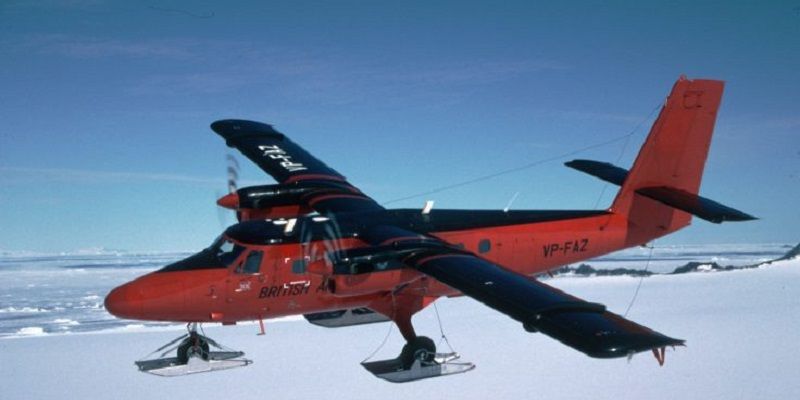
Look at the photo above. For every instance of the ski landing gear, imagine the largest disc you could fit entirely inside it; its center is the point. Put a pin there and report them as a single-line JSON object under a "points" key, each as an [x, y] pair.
{"points": [[193, 355], [418, 359]]}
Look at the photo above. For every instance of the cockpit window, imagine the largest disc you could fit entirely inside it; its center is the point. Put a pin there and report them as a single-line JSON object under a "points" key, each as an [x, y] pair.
{"points": [[225, 247], [220, 254], [226, 251]]}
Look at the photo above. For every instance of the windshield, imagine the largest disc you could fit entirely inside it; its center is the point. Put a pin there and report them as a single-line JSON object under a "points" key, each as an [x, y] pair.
{"points": [[220, 254], [225, 250]]}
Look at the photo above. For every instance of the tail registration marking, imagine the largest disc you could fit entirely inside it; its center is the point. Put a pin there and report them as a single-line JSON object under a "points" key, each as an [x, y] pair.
{"points": [[570, 246]]}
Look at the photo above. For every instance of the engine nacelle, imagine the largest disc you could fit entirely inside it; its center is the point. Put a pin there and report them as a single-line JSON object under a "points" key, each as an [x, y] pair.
{"points": [[277, 201]]}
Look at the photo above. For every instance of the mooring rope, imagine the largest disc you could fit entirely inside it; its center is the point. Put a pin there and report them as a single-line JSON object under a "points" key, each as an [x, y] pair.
{"points": [[385, 338], [441, 329], [625, 147], [641, 279]]}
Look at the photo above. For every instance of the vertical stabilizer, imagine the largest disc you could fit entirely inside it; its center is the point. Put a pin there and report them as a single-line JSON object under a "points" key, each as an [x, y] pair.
{"points": [[673, 157]]}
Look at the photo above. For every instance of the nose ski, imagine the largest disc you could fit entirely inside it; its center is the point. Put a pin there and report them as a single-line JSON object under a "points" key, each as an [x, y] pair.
{"points": [[192, 355]]}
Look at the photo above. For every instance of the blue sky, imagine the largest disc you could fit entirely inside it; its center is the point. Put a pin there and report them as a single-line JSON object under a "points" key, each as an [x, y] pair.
{"points": [[105, 106]]}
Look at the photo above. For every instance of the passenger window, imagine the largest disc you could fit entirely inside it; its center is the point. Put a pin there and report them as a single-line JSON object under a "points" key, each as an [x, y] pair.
{"points": [[252, 264], [484, 246], [299, 266]]}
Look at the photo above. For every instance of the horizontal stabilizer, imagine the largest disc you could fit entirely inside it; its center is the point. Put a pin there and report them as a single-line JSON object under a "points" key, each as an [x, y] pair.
{"points": [[699, 206], [696, 205], [603, 170]]}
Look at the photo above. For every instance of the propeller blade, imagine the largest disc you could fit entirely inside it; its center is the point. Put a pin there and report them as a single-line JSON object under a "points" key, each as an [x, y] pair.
{"points": [[233, 173]]}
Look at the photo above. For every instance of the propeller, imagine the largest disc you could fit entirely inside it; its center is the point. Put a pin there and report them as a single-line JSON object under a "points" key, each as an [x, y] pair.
{"points": [[230, 200], [233, 172]]}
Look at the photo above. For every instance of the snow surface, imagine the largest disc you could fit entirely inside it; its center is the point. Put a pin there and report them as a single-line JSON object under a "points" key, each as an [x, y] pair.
{"points": [[741, 329]]}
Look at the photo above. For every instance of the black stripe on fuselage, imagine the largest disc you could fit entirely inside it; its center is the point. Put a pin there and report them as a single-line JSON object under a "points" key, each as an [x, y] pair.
{"points": [[348, 225]]}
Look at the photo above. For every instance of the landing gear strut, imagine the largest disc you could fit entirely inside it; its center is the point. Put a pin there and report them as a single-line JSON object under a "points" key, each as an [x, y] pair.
{"points": [[196, 345]]}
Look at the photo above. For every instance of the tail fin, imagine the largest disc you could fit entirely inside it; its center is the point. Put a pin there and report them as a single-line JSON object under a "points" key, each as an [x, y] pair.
{"points": [[672, 158]]}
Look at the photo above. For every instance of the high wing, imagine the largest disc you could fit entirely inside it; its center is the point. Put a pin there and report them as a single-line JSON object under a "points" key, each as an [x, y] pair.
{"points": [[326, 190], [584, 326]]}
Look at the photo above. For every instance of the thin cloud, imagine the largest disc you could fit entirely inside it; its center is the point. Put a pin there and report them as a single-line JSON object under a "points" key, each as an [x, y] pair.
{"points": [[211, 66], [214, 51], [51, 4], [783, 123], [343, 81], [592, 116], [479, 72], [197, 83], [336, 81], [82, 47], [744, 125], [24, 174]]}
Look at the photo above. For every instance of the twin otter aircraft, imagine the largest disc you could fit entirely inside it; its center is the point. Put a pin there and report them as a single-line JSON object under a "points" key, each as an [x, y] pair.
{"points": [[314, 244]]}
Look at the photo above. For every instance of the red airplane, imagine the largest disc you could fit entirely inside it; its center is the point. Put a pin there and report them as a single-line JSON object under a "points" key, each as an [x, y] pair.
{"points": [[314, 244]]}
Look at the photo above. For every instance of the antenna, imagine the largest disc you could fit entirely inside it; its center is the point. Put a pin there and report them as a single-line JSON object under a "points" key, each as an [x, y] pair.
{"points": [[510, 202], [428, 207]]}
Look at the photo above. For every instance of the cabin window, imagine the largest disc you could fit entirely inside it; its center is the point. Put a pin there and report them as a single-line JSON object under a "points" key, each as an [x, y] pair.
{"points": [[252, 264], [484, 246], [299, 266]]}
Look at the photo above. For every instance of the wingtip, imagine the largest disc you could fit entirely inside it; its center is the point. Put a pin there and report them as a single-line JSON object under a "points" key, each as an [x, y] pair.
{"points": [[229, 128], [737, 216]]}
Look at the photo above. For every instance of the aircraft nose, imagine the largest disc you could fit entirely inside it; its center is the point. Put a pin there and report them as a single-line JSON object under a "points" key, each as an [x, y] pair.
{"points": [[125, 301]]}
